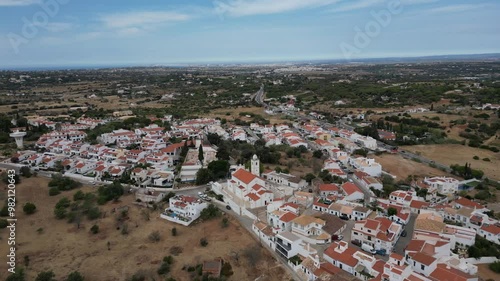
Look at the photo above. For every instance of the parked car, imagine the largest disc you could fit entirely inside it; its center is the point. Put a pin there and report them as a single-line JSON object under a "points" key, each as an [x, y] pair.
{"points": [[381, 252], [337, 237], [200, 193], [356, 242], [368, 248], [403, 234], [344, 217]]}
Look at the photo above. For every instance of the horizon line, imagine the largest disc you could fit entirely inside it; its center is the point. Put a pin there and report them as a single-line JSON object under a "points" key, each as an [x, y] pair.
{"points": [[256, 62]]}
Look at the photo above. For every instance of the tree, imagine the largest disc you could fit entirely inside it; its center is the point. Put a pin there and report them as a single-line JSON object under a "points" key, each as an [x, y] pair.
{"points": [[174, 231], [75, 276], [309, 177], [203, 176], [225, 222], [154, 236], [318, 153], [25, 171], [201, 157], [219, 169], [46, 276], [53, 191], [29, 208], [392, 212]]}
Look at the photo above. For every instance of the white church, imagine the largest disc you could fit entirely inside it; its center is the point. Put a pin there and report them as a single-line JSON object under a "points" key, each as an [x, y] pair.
{"points": [[249, 187]]}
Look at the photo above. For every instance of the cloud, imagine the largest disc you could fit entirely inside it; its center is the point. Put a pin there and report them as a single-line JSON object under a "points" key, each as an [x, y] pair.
{"points": [[6, 3], [142, 19], [455, 8], [363, 4], [240, 8], [57, 26]]}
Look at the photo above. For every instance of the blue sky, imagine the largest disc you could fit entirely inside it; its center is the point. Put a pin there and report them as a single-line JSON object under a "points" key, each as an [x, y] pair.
{"points": [[100, 32]]}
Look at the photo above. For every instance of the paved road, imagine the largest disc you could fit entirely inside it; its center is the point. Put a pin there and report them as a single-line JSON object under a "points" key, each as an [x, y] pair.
{"points": [[404, 241], [259, 96]]}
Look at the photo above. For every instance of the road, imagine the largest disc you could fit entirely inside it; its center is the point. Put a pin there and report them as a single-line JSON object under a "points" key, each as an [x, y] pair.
{"points": [[259, 96], [404, 241]]}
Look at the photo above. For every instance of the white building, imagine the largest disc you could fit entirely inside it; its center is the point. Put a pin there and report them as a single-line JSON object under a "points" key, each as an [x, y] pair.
{"points": [[443, 185], [367, 165], [183, 209]]}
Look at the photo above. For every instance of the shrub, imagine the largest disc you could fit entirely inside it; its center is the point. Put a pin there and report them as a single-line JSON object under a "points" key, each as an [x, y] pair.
{"points": [[495, 266], [94, 229], [475, 157], [29, 208], [63, 203], [154, 236], [75, 276], [60, 213], [79, 195], [53, 191], [46, 276], [93, 213], [203, 242], [486, 159], [174, 231], [225, 222], [3, 223]]}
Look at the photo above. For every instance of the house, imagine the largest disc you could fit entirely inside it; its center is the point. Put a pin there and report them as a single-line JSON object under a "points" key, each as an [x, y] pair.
{"points": [[367, 165], [430, 226], [149, 195], [310, 229], [444, 272], [340, 255], [183, 209], [285, 179], [352, 192], [443, 185], [380, 233], [368, 181], [265, 233], [464, 202], [302, 198], [281, 220], [329, 189], [289, 245], [422, 263], [490, 232]]}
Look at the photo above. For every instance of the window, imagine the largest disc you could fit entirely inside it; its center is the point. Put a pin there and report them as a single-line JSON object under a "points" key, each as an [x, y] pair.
{"points": [[422, 267]]}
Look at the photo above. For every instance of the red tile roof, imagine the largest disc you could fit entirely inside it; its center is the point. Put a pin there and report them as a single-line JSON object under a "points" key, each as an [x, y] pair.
{"points": [[328, 187], [244, 176], [346, 257], [444, 273], [253, 196], [350, 188], [422, 258], [288, 216], [493, 229]]}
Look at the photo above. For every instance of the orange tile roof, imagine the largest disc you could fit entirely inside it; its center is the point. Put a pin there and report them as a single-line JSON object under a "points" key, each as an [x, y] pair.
{"points": [[350, 188], [346, 257], [328, 187], [442, 273], [253, 196], [493, 229], [288, 216], [244, 176], [422, 258]]}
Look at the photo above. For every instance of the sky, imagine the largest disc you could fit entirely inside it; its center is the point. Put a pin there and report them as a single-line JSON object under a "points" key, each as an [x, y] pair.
{"points": [[37, 33]]}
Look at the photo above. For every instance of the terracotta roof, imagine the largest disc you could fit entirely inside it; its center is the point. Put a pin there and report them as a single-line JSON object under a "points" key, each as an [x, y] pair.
{"points": [[422, 258], [493, 229], [350, 188], [288, 216], [468, 203], [253, 196], [415, 245], [345, 257], [244, 176], [328, 187], [444, 273], [418, 204]]}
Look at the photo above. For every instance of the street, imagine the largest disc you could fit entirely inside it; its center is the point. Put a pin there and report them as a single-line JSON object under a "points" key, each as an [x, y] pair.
{"points": [[404, 241]]}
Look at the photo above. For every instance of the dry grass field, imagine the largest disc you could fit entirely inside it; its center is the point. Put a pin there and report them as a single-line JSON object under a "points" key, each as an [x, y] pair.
{"points": [[234, 113], [401, 167], [449, 154], [485, 273], [64, 248]]}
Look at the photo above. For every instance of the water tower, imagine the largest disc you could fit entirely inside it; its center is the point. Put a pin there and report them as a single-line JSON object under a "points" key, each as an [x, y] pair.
{"points": [[18, 136]]}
